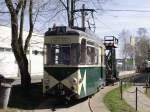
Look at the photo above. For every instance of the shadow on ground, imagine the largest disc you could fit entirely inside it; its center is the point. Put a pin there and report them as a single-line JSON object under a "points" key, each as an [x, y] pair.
{"points": [[33, 99]]}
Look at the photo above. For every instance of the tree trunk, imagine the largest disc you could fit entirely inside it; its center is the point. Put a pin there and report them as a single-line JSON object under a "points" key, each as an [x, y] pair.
{"points": [[25, 76], [22, 64], [23, 67]]}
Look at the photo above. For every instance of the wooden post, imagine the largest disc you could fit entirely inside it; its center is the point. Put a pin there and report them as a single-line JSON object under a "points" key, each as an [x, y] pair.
{"points": [[136, 99], [146, 87], [121, 89]]}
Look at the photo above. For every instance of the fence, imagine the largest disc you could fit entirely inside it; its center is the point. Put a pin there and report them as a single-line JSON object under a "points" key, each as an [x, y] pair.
{"points": [[136, 96], [125, 65]]}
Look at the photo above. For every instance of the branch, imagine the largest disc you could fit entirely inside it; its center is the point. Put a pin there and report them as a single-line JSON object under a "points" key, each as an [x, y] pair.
{"points": [[36, 16], [20, 40], [47, 21], [20, 3], [14, 22], [31, 27], [2, 12], [10, 6], [67, 9], [64, 4]]}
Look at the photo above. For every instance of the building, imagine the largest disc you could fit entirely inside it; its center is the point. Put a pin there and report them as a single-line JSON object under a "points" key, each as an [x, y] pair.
{"points": [[8, 65]]}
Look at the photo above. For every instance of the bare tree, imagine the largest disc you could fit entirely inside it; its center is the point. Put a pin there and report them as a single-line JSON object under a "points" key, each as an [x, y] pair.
{"points": [[19, 50], [124, 38], [142, 46], [17, 10], [142, 32]]}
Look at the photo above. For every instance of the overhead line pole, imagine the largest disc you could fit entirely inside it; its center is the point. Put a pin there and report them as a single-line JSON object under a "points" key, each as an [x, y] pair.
{"points": [[72, 13], [83, 10], [68, 12], [83, 16]]}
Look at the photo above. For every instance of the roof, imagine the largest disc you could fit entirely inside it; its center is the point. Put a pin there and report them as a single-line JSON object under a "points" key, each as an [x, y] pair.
{"points": [[37, 40]]}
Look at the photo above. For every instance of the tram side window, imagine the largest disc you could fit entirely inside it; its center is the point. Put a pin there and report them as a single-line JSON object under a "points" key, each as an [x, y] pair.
{"points": [[96, 56], [92, 55], [103, 57], [83, 52], [75, 53], [100, 56], [48, 56]]}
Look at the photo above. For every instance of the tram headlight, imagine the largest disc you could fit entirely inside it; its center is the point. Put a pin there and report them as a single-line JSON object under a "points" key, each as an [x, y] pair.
{"points": [[74, 84], [46, 81], [74, 81], [80, 81]]}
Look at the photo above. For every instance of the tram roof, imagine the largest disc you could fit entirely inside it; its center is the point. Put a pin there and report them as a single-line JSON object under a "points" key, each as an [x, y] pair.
{"points": [[63, 30]]}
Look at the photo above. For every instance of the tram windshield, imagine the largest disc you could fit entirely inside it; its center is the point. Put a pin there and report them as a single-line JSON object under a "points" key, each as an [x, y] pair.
{"points": [[72, 54], [67, 54]]}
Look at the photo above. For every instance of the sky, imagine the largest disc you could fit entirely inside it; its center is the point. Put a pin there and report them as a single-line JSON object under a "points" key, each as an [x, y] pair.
{"points": [[112, 23]]}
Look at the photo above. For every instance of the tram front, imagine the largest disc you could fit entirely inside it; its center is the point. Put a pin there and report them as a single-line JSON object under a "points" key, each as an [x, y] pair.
{"points": [[61, 58]]}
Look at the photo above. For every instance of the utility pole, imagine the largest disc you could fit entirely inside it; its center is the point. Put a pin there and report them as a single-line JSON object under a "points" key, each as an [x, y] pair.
{"points": [[70, 11], [83, 15]]}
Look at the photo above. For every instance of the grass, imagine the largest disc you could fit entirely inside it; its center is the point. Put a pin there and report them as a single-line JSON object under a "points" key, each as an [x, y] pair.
{"points": [[114, 103]]}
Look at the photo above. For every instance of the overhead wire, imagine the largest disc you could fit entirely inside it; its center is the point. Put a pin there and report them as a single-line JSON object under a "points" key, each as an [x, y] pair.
{"points": [[124, 10], [114, 10], [106, 26], [92, 3]]}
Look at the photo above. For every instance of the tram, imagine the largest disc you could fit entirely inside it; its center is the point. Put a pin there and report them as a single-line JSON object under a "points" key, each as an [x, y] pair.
{"points": [[73, 62]]}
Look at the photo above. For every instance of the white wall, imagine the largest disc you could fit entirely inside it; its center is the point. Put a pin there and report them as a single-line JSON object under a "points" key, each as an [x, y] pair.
{"points": [[8, 65]]}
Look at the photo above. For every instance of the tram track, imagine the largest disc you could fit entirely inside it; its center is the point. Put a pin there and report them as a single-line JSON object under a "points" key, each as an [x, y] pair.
{"points": [[75, 106], [89, 104], [84, 104]]}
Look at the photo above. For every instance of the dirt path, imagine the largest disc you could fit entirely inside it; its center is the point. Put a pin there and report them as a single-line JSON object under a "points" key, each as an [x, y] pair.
{"points": [[143, 104]]}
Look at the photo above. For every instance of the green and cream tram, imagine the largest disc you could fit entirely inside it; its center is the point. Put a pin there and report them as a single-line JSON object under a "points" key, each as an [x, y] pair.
{"points": [[73, 63]]}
